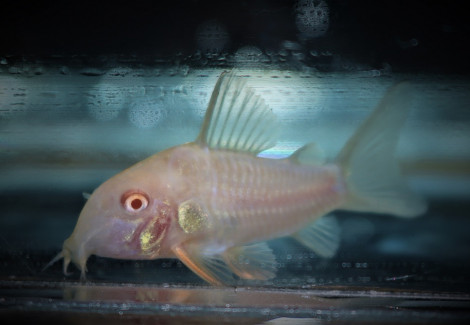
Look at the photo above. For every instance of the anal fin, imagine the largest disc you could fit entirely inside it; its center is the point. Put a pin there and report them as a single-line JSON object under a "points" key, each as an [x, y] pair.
{"points": [[252, 262], [322, 236]]}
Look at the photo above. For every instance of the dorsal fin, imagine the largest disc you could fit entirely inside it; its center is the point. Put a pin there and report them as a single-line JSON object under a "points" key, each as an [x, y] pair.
{"points": [[237, 119], [308, 154]]}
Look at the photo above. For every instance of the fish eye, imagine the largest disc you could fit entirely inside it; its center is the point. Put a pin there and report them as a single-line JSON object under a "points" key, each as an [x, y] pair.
{"points": [[134, 201]]}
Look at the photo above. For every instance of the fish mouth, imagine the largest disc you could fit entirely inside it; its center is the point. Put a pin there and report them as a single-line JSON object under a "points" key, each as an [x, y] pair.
{"points": [[71, 252]]}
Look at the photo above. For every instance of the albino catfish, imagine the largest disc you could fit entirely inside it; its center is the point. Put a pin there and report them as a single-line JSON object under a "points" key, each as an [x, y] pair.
{"points": [[213, 203]]}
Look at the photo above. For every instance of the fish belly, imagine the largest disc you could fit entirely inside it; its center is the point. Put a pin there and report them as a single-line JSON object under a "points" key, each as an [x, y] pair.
{"points": [[252, 199]]}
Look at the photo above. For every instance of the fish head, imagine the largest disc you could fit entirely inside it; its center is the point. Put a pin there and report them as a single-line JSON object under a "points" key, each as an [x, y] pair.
{"points": [[127, 217]]}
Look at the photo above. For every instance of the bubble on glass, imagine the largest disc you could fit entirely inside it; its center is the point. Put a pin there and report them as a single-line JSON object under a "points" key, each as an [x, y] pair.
{"points": [[145, 114], [178, 111], [39, 71], [64, 70], [212, 37], [198, 90], [291, 45], [408, 44], [283, 52], [314, 53], [119, 72], [184, 70], [248, 55], [105, 102], [298, 56], [14, 70], [92, 72], [13, 98], [312, 18], [136, 91]]}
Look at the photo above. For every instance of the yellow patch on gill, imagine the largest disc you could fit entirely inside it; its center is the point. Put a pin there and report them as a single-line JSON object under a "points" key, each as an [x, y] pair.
{"points": [[145, 239], [148, 241], [191, 217]]}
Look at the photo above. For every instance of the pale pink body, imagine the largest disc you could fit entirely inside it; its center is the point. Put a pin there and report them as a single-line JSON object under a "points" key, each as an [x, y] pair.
{"points": [[249, 198], [246, 199]]}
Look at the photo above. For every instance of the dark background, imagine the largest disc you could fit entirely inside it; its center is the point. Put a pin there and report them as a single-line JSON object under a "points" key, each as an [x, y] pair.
{"points": [[408, 35]]}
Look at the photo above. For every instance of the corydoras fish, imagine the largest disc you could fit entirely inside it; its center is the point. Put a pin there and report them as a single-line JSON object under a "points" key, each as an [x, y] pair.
{"points": [[214, 203]]}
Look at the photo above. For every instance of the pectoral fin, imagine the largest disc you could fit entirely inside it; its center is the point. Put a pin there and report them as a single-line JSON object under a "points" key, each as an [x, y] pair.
{"points": [[210, 267], [322, 236], [252, 262]]}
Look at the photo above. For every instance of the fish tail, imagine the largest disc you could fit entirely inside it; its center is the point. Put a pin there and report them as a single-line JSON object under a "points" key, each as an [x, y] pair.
{"points": [[369, 165]]}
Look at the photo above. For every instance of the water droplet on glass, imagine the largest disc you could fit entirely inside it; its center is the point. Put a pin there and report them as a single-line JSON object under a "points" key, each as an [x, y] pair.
{"points": [[38, 71], [105, 102], [314, 53], [299, 56], [312, 18], [283, 52], [13, 99], [64, 70], [118, 71], [248, 55], [291, 45], [212, 37], [92, 72], [145, 114], [14, 70]]}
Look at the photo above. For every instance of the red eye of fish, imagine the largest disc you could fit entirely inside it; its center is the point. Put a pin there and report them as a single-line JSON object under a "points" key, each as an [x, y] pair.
{"points": [[134, 202]]}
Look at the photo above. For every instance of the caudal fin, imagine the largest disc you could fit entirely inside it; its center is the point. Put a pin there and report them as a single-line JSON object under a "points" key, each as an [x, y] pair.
{"points": [[369, 165]]}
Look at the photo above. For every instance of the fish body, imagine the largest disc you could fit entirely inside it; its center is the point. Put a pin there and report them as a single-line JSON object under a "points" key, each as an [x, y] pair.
{"points": [[214, 202], [245, 198]]}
